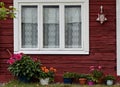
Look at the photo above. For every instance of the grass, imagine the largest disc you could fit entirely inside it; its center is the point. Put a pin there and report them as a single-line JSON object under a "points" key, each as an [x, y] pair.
{"points": [[19, 84]]}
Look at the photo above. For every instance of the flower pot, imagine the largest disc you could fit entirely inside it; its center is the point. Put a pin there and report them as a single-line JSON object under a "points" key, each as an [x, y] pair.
{"points": [[100, 81], [90, 83], [67, 80], [44, 81], [82, 81], [24, 79], [109, 82]]}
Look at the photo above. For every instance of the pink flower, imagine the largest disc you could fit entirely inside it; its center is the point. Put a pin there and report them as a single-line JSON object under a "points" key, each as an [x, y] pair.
{"points": [[92, 68], [35, 59], [11, 61], [99, 67], [16, 56]]}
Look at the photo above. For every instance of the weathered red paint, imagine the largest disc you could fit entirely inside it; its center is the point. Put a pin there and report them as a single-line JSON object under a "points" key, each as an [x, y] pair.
{"points": [[102, 45]]}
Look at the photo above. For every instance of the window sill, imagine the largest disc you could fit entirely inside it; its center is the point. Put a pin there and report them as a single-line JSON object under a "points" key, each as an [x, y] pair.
{"points": [[53, 52]]}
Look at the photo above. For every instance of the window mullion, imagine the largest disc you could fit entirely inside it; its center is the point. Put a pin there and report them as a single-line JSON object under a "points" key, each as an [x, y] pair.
{"points": [[19, 30], [41, 26], [62, 27]]}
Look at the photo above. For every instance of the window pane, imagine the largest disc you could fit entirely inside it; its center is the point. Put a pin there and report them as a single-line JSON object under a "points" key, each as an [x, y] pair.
{"points": [[51, 27], [72, 26], [29, 27]]}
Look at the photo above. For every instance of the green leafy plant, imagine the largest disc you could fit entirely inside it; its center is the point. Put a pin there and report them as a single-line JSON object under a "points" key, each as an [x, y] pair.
{"points": [[97, 73], [90, 78], [6, 12], [82, 76], [68, 75], [109, 77], [23, 65]]}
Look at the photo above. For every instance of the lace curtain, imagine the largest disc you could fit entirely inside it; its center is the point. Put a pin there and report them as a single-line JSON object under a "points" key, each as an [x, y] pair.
{"points": [[51, 27], [72, 26], [29, 27]]}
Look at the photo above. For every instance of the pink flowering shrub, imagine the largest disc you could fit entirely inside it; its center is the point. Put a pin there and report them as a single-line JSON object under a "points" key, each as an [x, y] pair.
{"points": [[23, 65]]}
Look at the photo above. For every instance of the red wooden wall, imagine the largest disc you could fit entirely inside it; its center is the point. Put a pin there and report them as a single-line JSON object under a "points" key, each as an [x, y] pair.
{"points": [[102, 44]]}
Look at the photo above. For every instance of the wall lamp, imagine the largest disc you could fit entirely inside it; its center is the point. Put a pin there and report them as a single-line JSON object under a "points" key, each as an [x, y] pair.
{"points": [[101, 16]]}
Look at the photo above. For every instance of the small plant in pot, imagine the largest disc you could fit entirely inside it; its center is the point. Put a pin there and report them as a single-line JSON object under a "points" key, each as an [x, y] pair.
{"points": [[46, 75], [82, 79], [97, 73], [109, 79], [68, 77], [90, 80]]}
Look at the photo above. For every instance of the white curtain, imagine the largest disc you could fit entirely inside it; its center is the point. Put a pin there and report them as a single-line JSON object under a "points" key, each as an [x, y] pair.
{"points": [[29, 27], [72, 26], [51, 27]]}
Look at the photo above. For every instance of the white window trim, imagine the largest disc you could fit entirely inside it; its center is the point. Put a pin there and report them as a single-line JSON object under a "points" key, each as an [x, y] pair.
{"points": [[118, 36], [85, 28]]}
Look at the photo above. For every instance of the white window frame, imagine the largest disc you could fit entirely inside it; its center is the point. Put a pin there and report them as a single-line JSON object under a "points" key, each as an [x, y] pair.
{"points": [[118, 35], [85, 27]]}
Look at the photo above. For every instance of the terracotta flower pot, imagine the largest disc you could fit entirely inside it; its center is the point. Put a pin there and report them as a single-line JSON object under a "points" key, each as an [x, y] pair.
{"points": [[82, 81], [100, 81]]}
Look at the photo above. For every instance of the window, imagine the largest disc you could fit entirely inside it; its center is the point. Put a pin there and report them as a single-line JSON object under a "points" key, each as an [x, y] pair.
{"points": [[51, 27]]}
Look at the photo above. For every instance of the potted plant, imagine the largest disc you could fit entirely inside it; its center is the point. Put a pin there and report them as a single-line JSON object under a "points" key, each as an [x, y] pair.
{"points": [[97, 73], [82, 79], [90, 80], [68, 77], [46, 75], [109, 79], [23, 67]]}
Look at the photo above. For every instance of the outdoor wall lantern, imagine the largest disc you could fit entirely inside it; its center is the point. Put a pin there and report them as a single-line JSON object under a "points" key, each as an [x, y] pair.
{"points": [[101, 16]]}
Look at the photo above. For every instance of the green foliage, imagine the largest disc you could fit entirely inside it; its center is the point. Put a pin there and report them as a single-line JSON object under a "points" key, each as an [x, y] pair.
{"points": [[25, 67], [97, 73], [6, 12], [68, 75], [19, 84], [46, 75], [109, 77], [91, 78], [82, 76]]}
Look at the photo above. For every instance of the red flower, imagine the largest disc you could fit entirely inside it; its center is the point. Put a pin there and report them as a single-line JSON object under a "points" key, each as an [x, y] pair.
{"points": [[16, 56], [11, 61]]}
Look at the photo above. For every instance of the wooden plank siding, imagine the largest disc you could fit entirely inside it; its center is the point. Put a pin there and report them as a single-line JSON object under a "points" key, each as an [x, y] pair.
{"points": [[102, 45]]}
